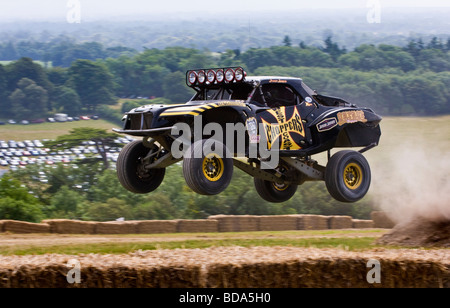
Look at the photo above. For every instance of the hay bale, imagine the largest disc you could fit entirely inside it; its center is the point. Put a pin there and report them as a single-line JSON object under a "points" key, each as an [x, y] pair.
{"points": [[1, 226], [340, 222], [25, 227], [116, 227], [236, 223], [197, 225], [278, 222], [312, 222], [67, 226], [156, 226], [362, 223], [225, 223], [247, 223], [381, 220]]}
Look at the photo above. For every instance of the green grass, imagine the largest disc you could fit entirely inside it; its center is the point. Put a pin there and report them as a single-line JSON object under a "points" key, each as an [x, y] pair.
{"points": [[48, 130], [360, 243], [344, 239]]}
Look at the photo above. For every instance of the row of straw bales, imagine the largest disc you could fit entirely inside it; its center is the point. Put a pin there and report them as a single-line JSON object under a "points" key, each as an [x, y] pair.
{"points": [[216, 223], [231, 267], [239, 223]]}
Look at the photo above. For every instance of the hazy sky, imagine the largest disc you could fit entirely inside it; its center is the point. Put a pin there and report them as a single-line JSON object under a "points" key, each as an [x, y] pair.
{"points": [[93, 9]]}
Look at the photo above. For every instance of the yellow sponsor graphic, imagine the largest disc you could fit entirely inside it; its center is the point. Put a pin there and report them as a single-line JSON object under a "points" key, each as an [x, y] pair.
{"points": [[197, 109], [283, 129], [351, 117]]}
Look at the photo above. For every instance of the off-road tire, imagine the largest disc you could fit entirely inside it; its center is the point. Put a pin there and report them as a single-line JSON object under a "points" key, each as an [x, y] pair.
{"points": [[347, 176], [273, 192], [128, 166], [208, 167]]}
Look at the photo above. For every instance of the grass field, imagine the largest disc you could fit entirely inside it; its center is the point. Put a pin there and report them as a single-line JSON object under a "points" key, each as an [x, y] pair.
{"points": [[23, 244], [48, 130], [394, 130]]}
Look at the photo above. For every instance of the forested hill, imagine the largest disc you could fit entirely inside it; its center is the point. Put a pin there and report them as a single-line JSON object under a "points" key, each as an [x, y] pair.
{"points": [[393, 80]]}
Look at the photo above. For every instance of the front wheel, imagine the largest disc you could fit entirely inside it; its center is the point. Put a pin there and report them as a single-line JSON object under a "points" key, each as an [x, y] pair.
{"points": [[208, 167], [131, 172], [347, 176]]}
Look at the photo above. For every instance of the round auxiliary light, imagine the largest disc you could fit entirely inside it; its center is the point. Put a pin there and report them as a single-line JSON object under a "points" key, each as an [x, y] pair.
{"points": [[239, 74], [220, 75], [229, 75], [201, 76], [211, 76], [192, 77]]}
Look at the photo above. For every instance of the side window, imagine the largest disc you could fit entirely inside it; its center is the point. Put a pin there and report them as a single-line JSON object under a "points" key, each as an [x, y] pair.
{"points": [[277, 95]]}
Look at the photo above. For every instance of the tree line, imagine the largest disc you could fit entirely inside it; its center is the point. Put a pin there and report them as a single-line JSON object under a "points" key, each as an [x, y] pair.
{"points": [[393, 80], [94, 193]]}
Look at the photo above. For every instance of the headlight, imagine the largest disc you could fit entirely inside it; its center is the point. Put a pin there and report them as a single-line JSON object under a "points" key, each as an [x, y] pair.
{"points": [[192, 77], [201, 77], [219, 75], [211, 76], [229, 75], [239, 74]]}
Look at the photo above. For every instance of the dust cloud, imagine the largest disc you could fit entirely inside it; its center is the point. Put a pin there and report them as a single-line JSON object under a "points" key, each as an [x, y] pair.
{"points": [[412, 180]]}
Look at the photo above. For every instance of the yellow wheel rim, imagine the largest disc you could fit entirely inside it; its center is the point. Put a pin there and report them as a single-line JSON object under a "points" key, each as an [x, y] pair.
{"points": [[212, 167], [280, 187], [353, 176]]}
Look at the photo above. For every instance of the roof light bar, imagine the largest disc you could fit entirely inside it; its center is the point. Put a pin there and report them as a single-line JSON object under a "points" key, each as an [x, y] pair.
{"points": [[215, 76]]}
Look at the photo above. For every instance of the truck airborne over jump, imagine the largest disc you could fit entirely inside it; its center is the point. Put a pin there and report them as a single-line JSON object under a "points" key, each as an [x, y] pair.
{"points": [[269, 127]]}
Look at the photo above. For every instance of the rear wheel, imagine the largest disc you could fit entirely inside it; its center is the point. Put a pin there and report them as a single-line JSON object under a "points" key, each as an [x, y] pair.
{"points": [[208, 167], [274, 192], [347, 176], [131, 172]]}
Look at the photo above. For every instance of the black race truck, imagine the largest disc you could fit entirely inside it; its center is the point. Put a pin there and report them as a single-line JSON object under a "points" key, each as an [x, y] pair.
{"points": [[269, 127]]}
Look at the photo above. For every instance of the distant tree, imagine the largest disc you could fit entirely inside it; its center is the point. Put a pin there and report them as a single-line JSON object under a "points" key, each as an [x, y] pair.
{"points": [[67, 100], [28, 101], [332, 48], [159, 206], [93, 82], [257, 57], [57, 75], [16, 202], [175, 89], [435, 43], [110, 209], [78, 136], [412, 48], [26, 68], [4, 108], [287, 41], [9, 52], [64, 203]]}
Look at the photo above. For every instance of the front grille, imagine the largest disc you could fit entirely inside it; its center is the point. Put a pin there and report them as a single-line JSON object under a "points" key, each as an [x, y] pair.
{"points": [[139, 121]]}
